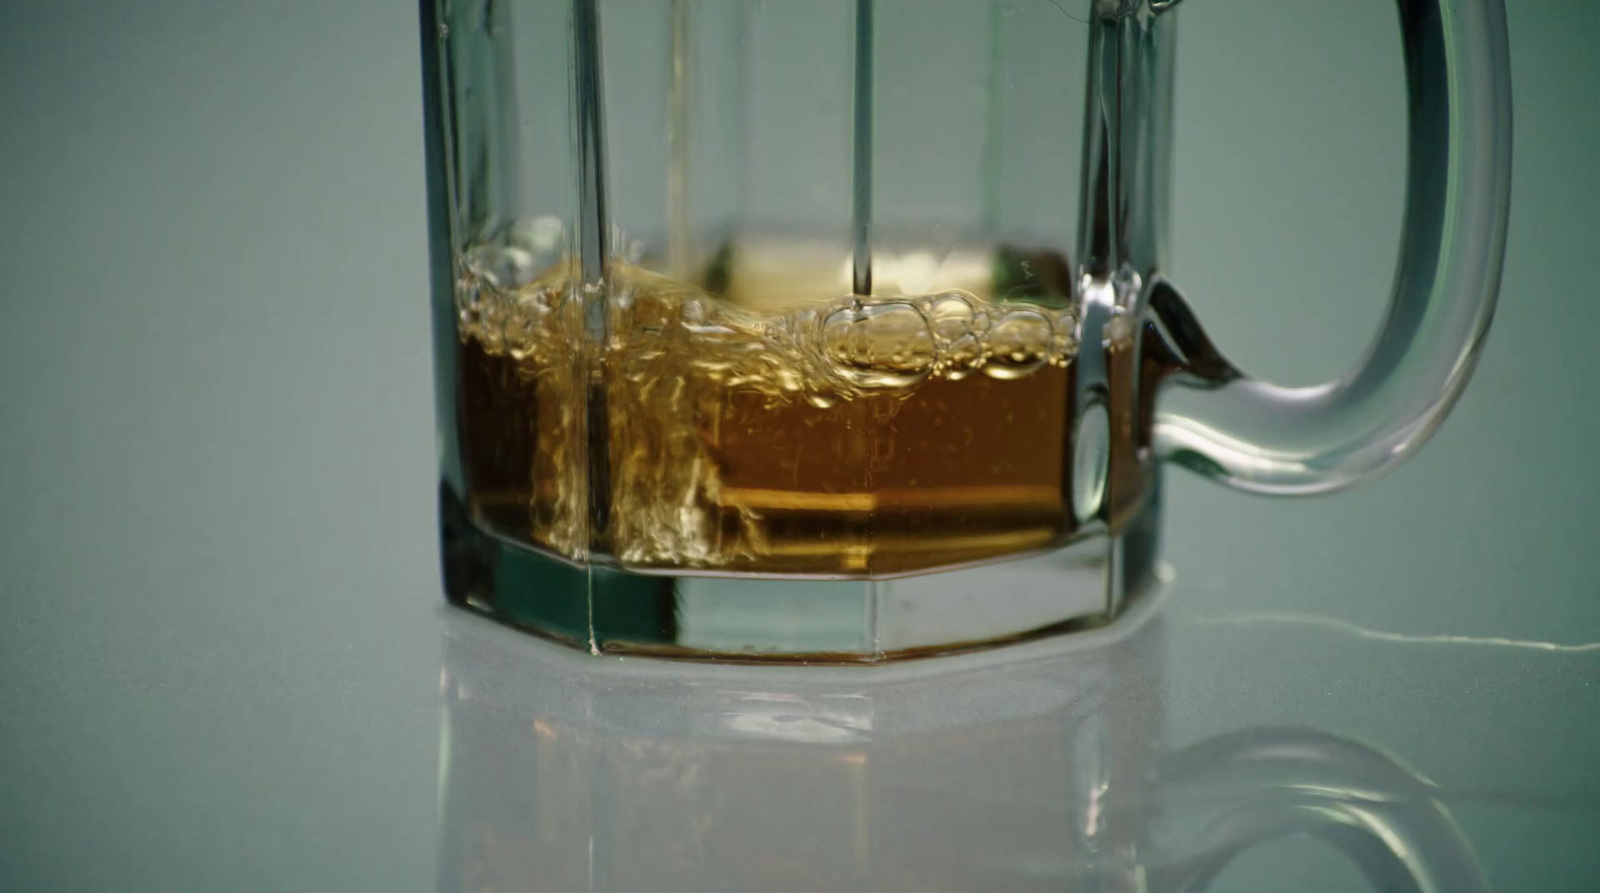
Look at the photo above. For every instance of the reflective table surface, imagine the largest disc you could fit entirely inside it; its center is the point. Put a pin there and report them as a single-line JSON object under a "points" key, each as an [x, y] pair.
{"points": [[1108, 760], [224, 662]]}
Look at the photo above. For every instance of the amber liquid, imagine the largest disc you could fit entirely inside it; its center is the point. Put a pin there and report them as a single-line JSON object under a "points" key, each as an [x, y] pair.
{"points": [[776, 426]]}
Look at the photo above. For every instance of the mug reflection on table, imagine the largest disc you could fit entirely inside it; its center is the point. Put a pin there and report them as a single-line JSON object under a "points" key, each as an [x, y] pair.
{"points": [[1041, 767]]}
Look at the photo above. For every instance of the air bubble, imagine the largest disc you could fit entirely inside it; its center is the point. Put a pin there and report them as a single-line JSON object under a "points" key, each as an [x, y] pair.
{"points": [[470, 301], [469, 294], [1120, 328], [491, 328], [1019, 343], [882, 345], [519, 330], [950, 317], [820, 401], [504, 267], [1064, 345], [540, 303], [962, 355], [541, 235], [981, 320]]}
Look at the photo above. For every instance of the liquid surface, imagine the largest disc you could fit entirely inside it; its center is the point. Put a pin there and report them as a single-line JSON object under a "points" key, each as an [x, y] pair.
{"points": [[765, 430]]}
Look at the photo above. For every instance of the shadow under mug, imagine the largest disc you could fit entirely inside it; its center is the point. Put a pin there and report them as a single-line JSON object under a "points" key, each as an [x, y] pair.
{"points": [[1040, 767], [766, 329]]}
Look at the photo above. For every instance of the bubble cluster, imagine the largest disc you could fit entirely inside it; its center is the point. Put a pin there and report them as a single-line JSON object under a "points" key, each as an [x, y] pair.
{"points": [[879, 344], [825, 353], [674, 355]]}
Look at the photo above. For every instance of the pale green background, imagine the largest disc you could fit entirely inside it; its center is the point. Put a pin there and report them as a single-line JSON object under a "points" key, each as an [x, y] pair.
{"points": [[219, 641]]}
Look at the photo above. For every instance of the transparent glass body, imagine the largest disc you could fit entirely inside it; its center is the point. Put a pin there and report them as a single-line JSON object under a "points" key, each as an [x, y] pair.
{"points": [[768, 329]]}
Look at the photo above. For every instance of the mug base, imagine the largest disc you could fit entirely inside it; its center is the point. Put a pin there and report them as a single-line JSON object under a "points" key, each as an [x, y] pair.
{"points": [[607, 610]]}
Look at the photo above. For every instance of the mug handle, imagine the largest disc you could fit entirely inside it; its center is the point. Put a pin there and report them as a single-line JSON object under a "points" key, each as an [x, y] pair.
{"points": [[1267, 438], [1263, 784]]}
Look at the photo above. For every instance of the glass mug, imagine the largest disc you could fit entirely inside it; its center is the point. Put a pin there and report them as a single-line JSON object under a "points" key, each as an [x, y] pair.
{"points": [[1045, 767], [768, 329]]}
